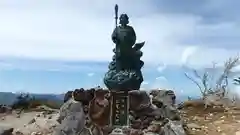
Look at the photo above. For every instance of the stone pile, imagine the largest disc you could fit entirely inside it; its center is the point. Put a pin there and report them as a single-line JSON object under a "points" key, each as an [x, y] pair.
{"points": [[153, 113], [159, 116]]}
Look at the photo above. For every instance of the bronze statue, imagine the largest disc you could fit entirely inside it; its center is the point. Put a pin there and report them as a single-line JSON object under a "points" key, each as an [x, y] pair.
{"points": [[124, 72], [125, 69]]}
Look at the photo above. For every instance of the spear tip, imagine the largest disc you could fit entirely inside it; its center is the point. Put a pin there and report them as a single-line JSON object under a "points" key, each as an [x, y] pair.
{"points": [[116, 7]]}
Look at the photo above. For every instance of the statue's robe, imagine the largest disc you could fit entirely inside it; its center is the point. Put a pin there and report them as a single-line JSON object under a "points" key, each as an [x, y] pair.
{"points": [[125, 37]]}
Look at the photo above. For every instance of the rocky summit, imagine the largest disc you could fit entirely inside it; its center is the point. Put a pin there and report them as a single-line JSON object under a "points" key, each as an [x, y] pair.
{"points": [[88, 112]]}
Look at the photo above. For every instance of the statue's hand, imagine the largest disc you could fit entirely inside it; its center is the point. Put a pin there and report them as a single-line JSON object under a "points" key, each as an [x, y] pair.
{"points": [[115, 40]]}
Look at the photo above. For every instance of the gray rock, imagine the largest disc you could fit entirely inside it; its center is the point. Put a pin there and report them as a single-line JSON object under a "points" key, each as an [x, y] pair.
{"points": [[18, 133], [85, 131], [117, 131], [72, 118], [68, 107], [193, 125], [165, 102], [150, 133], [173, 128], [67, 96], [32, 121], [6, 130], [139, 100], [166, 97]]}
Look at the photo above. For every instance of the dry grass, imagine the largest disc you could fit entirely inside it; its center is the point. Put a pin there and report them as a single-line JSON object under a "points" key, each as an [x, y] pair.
{"points": [[212, 121]]}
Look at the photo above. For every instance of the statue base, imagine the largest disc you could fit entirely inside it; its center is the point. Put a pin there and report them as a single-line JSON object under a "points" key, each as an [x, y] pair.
{"points": [[123, 80]]}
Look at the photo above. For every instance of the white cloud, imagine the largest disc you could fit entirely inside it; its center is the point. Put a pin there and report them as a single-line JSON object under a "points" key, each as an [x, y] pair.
{"points": [[91, 74], [236, 69], [188, 52], [145, 83], [81, 30], [161, 78], [181, 91], [162, 67], [55, 66], [160, 82], [204, 57]]}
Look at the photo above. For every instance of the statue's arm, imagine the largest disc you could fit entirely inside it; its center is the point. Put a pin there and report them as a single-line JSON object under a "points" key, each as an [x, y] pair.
{"points": [[133, 35], [114, 36]]}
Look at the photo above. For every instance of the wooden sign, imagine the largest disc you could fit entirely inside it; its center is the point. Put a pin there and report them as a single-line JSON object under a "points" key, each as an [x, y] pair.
{"points": [[120, 108]]}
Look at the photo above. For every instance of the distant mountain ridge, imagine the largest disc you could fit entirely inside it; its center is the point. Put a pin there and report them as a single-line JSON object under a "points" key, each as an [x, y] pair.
{"points": [[8, 98]]}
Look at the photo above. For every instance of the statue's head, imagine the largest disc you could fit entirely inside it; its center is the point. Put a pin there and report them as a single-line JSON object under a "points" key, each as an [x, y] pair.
{"points": [[124, 19]]}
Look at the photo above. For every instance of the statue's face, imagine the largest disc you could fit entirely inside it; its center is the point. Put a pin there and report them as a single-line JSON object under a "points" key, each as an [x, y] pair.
{"points": [[124, 19]]}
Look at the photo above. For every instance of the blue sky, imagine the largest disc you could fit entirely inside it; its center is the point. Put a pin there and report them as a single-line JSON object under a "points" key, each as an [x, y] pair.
{"points": [[51, 46]]}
